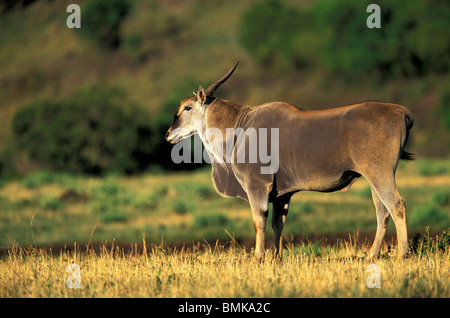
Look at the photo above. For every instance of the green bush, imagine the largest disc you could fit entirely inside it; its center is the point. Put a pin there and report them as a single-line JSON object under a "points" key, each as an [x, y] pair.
{"points": [[441, 198], [7, 167], [206, 192], [306, 207], [93, 134], [268, 30], [444, 107], [145, 202], [113, 216], [51, 203], [40, 178], [428, 214], [432, 168], [101, 20], [334, 35], [425, 244], [209, 220], [180, 207], [314, 249], [409, 42]]}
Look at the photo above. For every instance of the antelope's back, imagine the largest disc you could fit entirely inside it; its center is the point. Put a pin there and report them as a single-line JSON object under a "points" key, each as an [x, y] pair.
{"points": [[317, 147]]}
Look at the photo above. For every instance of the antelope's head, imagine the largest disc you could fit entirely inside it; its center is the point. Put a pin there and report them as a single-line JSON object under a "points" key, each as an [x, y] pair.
{"points": [[192, 111]]}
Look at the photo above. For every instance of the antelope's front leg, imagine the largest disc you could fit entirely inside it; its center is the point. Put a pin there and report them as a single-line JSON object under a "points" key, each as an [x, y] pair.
{"points": [[260, 213]]}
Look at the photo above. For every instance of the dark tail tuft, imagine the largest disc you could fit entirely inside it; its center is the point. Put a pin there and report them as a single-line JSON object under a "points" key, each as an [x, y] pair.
{"points": [[407, 156]]}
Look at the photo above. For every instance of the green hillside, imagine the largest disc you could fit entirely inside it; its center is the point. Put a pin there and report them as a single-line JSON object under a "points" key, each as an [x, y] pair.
{"points": [[168, 48]]}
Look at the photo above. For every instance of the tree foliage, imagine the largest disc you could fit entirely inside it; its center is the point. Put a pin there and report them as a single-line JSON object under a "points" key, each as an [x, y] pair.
{"points": [[92, 134], [333, 34], [101, 20]]}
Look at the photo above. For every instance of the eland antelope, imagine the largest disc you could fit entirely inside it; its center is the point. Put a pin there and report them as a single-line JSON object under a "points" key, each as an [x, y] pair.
{"points": [[320, 150]]}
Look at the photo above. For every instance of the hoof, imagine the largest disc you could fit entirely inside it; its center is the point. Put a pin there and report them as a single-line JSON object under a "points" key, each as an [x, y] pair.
{"points": [[259, 258], [403, 256]]}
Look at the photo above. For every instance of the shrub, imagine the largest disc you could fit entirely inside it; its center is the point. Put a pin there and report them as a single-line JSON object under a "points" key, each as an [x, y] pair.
{"points": [[93, 134], [334, 35], [180, 207], [268, 31], [209, 220], [444, 105], [113, 215], [405, 45], [428, 214], [432, 168], [40, 178], [145, 201], [110, 188], [314, 249], [51, 203], [205, 192], [7, 167], [423, 244], [441, 198], [306, 207], [101, 20]]}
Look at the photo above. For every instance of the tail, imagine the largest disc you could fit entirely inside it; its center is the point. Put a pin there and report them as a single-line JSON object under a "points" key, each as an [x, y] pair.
{"points": [[407, 156], [409, 121]]}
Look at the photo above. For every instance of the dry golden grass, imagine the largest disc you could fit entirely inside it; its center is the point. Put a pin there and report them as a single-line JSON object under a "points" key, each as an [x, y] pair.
{"points": [[307, 270], [219, 271]]}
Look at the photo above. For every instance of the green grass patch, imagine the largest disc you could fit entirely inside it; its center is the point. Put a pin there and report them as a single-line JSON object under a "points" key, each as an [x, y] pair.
{"points": [[185, 207]]}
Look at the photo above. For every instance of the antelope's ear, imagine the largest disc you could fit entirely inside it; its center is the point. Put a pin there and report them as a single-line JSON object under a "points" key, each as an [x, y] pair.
{"points": [[201, 96]]}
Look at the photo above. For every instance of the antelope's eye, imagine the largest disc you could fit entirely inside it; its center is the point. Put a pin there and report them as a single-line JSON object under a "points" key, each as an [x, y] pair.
{"points": [[188, 108]]}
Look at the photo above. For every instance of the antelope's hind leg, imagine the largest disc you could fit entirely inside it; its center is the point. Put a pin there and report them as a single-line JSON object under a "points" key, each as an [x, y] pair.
{"points": [[390, 197], [382, 223], [280, 211]]}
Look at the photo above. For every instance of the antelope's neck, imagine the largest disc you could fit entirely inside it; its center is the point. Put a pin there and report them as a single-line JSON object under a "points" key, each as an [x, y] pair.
{"points": [[223, 114], [219, 116]]}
